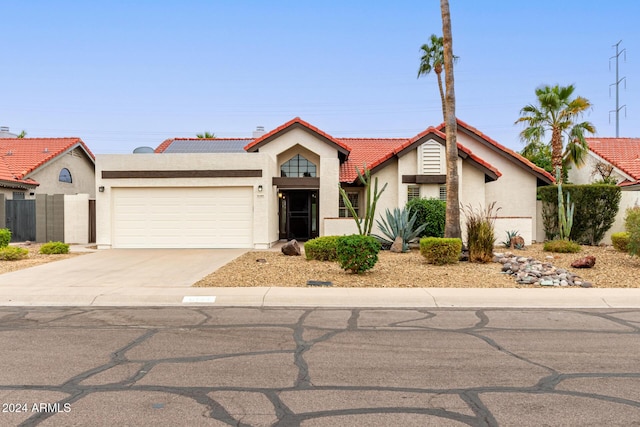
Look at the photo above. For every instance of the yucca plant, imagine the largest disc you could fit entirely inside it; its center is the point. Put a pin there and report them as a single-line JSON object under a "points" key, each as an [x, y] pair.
{"points": [[398, 224]]}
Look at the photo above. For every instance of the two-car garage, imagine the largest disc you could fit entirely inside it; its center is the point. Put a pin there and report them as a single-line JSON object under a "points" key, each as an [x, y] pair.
{"points": [[182, 217]]}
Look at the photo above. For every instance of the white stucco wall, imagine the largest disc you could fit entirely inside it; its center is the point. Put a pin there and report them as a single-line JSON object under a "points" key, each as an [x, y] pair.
{"points": [[263, 204]]}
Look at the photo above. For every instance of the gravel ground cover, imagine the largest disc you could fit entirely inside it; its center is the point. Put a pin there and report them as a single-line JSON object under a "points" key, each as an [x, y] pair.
{"points": [[271, 268], [35, 258]]}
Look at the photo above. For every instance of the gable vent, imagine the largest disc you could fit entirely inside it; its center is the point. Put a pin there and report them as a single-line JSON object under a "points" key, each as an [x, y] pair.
{"points": [[430, 158]]}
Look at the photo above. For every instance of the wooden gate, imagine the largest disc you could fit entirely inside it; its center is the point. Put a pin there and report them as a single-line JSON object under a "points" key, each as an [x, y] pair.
{"points": [[92, 220], [21, 219]]}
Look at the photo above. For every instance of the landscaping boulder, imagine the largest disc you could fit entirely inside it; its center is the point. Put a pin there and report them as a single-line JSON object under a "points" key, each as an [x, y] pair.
{"points": [[517, 242], [586, 262], [397, 245], [291, 248]]}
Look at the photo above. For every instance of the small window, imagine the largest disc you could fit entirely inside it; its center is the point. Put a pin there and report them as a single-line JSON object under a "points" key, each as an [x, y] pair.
{"points": [[18, 195], [443, 192], [353, 197], [413, 192], [298, 167], [65, 175]]}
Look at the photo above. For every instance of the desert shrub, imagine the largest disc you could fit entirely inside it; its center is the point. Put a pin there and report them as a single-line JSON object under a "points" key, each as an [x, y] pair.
{"points": [[357, 253], [322, 248], [398, 224], [54, 248], [620, 241], [561, 246], [5, 237], [632, 225], [13, 253], [431, 212], [480, 234], [596, 207], [440, 251]]}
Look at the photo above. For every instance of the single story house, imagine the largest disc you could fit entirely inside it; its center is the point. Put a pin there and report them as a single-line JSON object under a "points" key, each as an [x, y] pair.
{"points": [[619, 160], [284, 184], [30, 166]]}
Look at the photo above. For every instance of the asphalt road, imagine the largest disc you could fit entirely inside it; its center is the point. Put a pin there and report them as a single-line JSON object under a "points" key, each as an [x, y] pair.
{"points": [[206, 366]]}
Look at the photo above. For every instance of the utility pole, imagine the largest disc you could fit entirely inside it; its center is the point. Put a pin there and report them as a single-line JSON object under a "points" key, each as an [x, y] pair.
{"points": [[617, 85]]}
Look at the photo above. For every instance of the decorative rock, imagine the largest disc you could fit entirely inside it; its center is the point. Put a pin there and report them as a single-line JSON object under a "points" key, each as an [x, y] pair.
{"points": [[586, 262], [396, 247], [529, 271], [262, 260], [549, 257], [586, 284], [291, 248], [517, 242]]}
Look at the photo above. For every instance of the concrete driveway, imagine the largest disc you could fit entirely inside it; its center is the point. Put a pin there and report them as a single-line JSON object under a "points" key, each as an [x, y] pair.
{"points": [[78, 280]]}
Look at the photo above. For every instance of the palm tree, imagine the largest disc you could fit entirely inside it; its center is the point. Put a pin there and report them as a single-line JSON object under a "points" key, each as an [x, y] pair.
{"points": [[558, 113], [22, 134], [452, 217], [206, 135], [433, 60]]}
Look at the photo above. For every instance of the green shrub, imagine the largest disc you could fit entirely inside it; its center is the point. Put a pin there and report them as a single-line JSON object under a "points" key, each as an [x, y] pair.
{"points": [[440, 251], [561, 246], [596, 207], [431, 212], [620, 241], [13, 253], [480, 234], [399, 224], [632, 225], [5, 237], [357, 253], [322, 248], [54, 248]]}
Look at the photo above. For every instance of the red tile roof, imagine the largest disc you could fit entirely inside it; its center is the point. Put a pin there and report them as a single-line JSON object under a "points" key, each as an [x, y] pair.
{"points": [[293, 122], [518, 157], [367, 151], [21, 156], [623, 153]]}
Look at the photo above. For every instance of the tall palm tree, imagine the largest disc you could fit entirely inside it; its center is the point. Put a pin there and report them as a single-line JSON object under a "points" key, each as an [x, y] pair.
{"points": [[452, 217], [206, 135], [433, 60], [556, 111]]}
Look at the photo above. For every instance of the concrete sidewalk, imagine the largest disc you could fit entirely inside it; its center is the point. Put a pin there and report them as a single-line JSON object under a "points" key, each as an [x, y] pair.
{"points": [[154, 277]]}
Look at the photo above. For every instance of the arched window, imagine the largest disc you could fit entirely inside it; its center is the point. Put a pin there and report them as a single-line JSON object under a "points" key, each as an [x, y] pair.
{"points": [[65, 175], [298, 167]]}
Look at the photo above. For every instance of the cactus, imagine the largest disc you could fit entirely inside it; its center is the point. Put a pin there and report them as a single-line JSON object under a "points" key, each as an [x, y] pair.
{"points": [[565, 215], [364, 224]]}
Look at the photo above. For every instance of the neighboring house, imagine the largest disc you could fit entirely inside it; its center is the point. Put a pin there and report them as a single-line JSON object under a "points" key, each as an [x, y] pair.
{"points": [[284, 184], [30, 166], [618, 159]]}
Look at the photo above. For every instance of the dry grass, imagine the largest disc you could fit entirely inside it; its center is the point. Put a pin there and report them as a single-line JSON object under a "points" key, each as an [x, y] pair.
{"points": [[612, 270], [35, 258]]}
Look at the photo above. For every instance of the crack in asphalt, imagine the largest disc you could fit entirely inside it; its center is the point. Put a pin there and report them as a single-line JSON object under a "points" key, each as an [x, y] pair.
{"points": [[284, 409]]}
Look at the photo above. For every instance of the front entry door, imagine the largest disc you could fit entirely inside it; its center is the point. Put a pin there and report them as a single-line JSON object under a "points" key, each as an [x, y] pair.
{"points": [[298, 214]]}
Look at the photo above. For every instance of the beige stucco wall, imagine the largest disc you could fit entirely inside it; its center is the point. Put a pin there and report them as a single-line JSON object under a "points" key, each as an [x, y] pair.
{"points": [[82, 175], [76, 218], [514, 192], [264, 233]]}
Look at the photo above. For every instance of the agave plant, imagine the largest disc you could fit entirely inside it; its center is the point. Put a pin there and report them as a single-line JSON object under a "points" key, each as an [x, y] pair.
{"points": [[398, 224], [510, 235]]}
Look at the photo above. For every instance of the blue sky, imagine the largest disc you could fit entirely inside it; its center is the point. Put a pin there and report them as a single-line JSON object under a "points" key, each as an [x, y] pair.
{"points": [[123, 74]]}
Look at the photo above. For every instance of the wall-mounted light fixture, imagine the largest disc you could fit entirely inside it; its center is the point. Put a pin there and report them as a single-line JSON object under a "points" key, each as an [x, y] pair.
{"points": [[259, 188], [101, 189]]}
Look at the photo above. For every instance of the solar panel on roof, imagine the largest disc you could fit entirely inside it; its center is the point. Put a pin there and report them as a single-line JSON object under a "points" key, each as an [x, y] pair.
{"points": [[207, 146]]}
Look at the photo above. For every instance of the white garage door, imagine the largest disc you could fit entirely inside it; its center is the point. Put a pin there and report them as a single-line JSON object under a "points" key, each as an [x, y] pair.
{"points": [[182, 217]]}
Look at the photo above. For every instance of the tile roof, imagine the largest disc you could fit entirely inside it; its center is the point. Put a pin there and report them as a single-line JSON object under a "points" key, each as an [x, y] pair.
{"points": [[203, 145], [367, 151], [623, 153], [507, 151], [21, 156], [297, 121]]}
